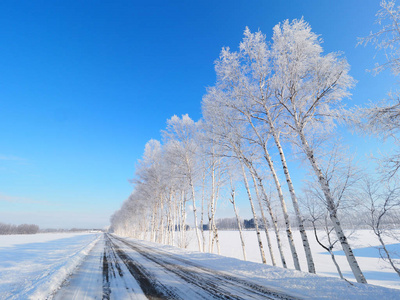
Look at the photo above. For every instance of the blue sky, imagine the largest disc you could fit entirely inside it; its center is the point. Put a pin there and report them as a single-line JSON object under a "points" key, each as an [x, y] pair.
{"points": [[85, 84]]}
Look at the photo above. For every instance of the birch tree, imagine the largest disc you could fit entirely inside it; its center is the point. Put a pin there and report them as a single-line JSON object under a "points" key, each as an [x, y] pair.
{"points": [[232, 181], [382, 203], [387, 38], [211, 155], [244, 77], [319, 218], [149, 174], [180, 133], [382, 118], [257, 55], [226, 122], [310, 86]]}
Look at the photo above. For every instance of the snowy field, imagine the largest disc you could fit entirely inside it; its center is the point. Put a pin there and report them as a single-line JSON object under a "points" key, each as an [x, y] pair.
{"points": [[299, 285], [364, 244], [33, 265]]}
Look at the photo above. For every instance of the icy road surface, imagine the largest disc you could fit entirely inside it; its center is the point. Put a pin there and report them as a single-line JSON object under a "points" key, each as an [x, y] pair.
{"points": [[130, 270]]}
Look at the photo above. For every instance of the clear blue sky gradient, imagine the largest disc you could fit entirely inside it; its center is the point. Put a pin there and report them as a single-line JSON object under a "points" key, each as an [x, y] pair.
{"points": [[85, 84]]}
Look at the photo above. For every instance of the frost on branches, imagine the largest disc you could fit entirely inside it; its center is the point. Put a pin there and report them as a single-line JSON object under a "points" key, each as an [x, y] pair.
{"points": [[269, 98]]}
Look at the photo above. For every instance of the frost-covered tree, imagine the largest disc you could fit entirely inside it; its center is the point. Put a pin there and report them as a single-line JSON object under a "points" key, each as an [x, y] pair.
{"points": [[233, 180], [245, 79], [213, 168], [387, 38], [310, 87], [382, 203], [257, 55], [343, 177], [6, 229], [181, 136], [149, 174], [230, 130], [382, 118], [318, 217]]}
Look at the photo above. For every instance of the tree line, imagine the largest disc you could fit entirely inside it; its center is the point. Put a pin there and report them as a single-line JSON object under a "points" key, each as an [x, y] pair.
{"points": [[271, 100], [6, 229]]}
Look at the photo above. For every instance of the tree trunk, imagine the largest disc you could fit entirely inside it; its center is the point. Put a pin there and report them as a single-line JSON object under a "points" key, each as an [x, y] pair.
{"points": [[260, 245], [329, 249], [170, 219], [202, 211], [161, 230], [196, 226], [212, 200], [284, 209], [153, 224], [238, 223], [183, 220], [332, 210], [280, 194], [273, 218], [397, 270], [306, 244], [263, 218]]}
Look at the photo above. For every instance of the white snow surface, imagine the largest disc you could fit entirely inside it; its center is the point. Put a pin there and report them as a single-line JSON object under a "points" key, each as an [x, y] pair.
{"points": [[37, 268], [364, 243], [34, 266], [301, 284]]}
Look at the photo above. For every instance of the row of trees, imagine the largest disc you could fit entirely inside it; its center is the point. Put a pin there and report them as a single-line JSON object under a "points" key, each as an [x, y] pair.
{"points": [[271, 99], [18, 229]]}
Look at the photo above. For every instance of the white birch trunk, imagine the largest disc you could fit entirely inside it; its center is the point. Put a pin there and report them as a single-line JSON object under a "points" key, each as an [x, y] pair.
{"points": [[182, 225], [212, 200], [263, 218], [215, 232], [280, 194], [212, 210], [246, 183], [215, 224], [284, 209], [304, 238], [274, 220], [161, 230], [332, 210], [210, 249], [238, 223], [170, 219], [196, 224], [153, 225], [202, 211]]}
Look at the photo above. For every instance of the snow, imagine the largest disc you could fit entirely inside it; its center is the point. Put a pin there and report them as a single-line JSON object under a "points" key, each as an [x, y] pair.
{"points": [[364, 244], [36, 268], [33, 266], [87, 282], [301, 284], [13, 240]]}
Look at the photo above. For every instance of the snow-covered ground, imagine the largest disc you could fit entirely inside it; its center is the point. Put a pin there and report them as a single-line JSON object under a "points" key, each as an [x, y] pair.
{"points": [[31, 266], [300, 285], [364, 244], [108, 267]]}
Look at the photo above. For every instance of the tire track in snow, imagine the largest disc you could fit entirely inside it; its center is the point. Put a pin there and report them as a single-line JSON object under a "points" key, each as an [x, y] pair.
{"points": [[102, 276], [216, 284], [118, 282], [150, 287], [106, 279]]}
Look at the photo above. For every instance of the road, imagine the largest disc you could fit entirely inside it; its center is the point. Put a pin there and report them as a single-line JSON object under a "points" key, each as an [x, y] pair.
{"points": [[120, 269]]}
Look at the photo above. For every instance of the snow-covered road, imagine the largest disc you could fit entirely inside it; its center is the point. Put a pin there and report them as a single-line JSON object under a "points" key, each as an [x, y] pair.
{"points": [[121, 269], [105, 266]]}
